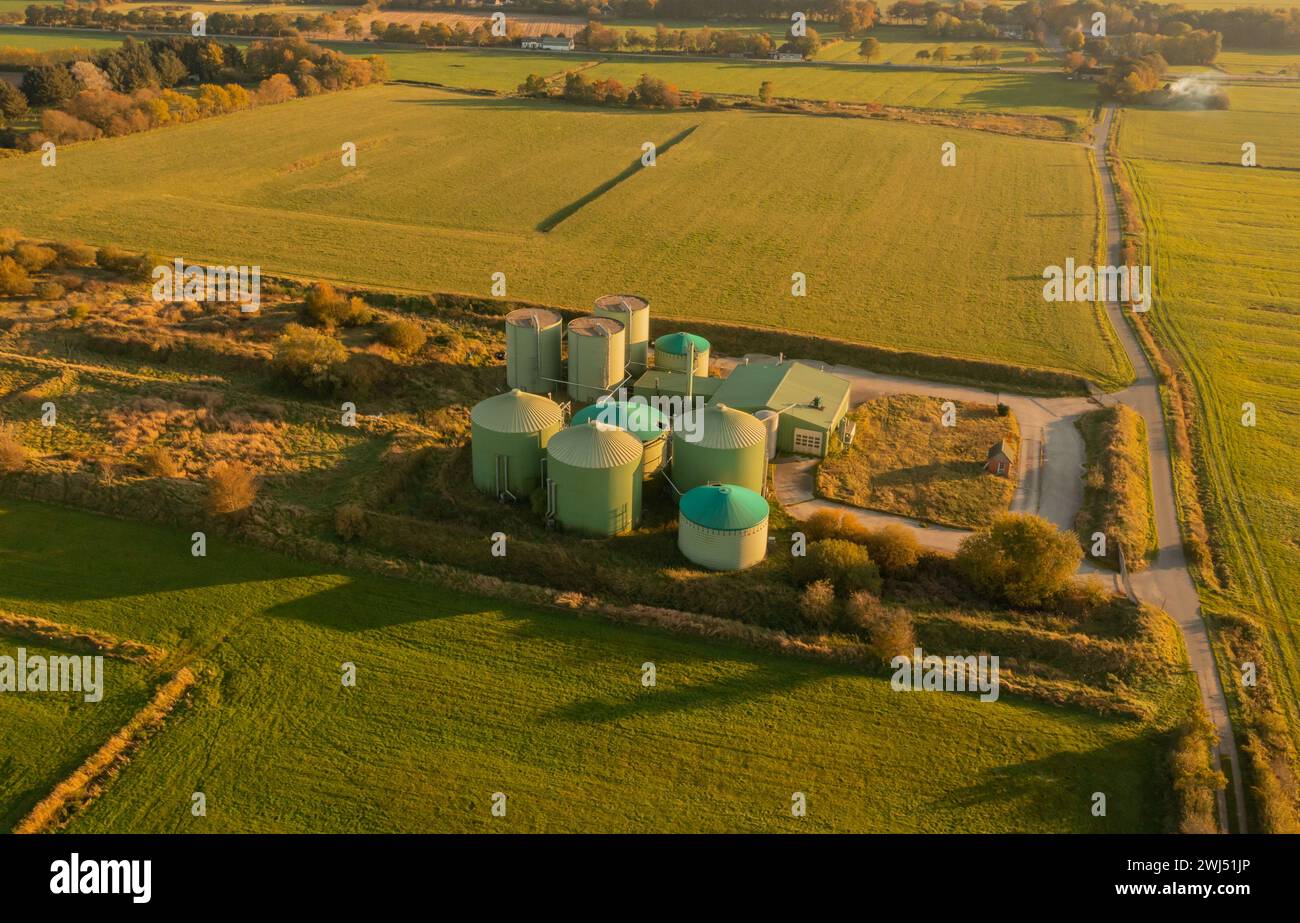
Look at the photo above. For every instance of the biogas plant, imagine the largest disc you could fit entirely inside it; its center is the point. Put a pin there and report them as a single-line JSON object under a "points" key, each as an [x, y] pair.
{"points": [[595, 411]]}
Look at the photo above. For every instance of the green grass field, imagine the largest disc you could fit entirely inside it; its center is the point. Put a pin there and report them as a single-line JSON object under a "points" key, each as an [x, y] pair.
{"points": [[1265, 115], [51, 41], [502, 71], [1048, 94], [458, 698], [47, 735], [715, 230], [1228, 302]]}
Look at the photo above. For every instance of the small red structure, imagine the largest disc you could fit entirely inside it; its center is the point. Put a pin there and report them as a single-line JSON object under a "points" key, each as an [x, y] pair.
{"points": [[999, 460]]}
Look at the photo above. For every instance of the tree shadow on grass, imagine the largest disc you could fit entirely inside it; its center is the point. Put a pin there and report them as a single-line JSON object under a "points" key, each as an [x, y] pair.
{"points": [[756, 684], [1067, 782]]}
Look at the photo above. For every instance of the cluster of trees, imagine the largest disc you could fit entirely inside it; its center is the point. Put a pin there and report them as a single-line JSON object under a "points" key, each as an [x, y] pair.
{"points": [[825, 10], [130, 88], [648, 93], [270, 25], [703, 41], [946, 25], [1133, 80]]}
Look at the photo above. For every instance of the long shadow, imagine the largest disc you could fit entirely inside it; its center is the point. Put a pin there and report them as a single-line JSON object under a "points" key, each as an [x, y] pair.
{"points": [[1072, 778], [550, 222], [755, 685]]}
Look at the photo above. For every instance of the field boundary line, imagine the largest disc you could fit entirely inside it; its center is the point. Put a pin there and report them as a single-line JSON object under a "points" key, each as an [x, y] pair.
{"points": [[88, 780]]}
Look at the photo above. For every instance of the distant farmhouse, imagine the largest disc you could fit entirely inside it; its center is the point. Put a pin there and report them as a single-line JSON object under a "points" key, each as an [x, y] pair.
{"points": [[787, 52], [548, 43]]}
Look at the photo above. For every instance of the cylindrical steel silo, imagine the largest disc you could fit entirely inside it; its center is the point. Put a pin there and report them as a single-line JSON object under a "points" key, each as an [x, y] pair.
{"points": [[593, 479], [509, 433], [533, 345], [633, 312], [646, 423], [722, 527], [672, 349], [596, 357], [723, 446]]}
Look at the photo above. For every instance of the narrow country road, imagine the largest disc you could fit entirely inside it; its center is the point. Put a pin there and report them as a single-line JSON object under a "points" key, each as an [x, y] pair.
{"points": [[1167, 583]]}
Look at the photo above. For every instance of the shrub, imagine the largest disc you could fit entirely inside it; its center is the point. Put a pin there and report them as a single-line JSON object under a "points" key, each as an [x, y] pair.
{"points": [[13, 278], [1020, 558], [310, 359], [75, 253], [825, 524], [50, 291], [137, 267], [403, 335], [231, 488], [846, 565], [33, 257], [327, 307], [159, 462], [350, 521], [817, 604], [887, 630], [13, 456], [9, 238], [894, 549], [362, 374]]}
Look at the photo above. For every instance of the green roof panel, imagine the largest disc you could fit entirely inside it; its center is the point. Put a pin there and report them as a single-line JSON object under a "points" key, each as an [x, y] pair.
{"points": [[724, 507]]}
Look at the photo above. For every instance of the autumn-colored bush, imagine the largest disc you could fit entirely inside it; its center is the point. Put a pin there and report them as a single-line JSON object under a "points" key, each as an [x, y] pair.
{"points": [[325, 306], [231, 488], [13, 278], [817, 604], [309, 359], [75, 253], [825, 524], [403, 335], [887, 630], [350, 521], [34, 257], [160, 462], [893, 548], [49, 291], [13, 456]]}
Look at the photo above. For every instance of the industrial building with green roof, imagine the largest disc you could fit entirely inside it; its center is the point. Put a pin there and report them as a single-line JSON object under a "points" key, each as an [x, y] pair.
{"points": [[811, 403]]}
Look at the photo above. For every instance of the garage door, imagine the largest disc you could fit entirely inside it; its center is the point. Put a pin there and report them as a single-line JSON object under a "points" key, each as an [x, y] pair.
{"points": [[808, 441]]}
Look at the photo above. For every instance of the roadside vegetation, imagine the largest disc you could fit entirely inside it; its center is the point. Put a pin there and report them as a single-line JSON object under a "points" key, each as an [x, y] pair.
{"points": [[1117, 487]]}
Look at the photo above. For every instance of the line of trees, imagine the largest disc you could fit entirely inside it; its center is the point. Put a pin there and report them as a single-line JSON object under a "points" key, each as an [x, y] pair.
{"points": [[132, 88], [648, 92]]}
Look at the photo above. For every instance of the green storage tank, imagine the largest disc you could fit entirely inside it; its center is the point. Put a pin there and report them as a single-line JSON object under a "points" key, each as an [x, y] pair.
{"points": [[646, 423], [633, 312], [672, 349], [534, 340], [722, 527], [597, 357], [729, 447], [508, 437], [593, 479]]}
